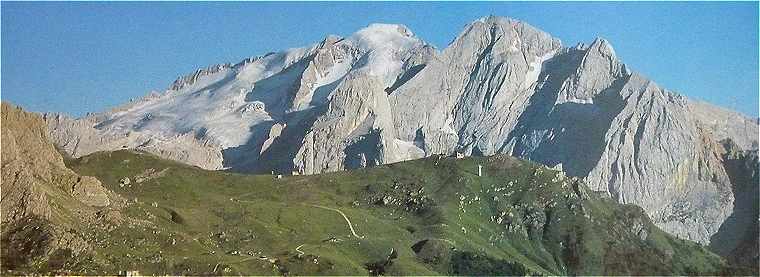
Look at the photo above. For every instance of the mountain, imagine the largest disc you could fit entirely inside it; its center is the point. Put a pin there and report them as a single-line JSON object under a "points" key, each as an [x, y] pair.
{"points": [[432, 216], [737, 239], [43, 202], [382, 95]]}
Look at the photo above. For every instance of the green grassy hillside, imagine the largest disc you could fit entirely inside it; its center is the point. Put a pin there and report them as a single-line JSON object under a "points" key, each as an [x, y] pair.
{"points": [[425, 217]]}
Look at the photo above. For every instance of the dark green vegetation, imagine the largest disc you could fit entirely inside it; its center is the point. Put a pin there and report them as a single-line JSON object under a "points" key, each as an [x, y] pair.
{"points": [[425, 217]]}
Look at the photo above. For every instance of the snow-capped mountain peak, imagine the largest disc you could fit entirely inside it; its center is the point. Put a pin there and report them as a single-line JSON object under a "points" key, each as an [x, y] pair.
{"points": [[377, 36], [382, 95]]}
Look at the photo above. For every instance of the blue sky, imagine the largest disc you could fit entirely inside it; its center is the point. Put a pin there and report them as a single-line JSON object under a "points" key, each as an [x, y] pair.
{"points": [[86, 57]]}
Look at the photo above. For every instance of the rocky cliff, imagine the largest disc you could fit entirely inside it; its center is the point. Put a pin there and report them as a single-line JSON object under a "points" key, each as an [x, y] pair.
{"points": [[43, 202], [737, 239], [382, 95]]}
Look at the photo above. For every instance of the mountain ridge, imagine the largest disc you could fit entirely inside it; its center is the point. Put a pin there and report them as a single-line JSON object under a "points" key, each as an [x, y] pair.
{"points": [[501, 86], [141, 214]]}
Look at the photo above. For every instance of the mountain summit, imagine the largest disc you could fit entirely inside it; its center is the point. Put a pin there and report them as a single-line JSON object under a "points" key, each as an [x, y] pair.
{"points": [[382, 96]]}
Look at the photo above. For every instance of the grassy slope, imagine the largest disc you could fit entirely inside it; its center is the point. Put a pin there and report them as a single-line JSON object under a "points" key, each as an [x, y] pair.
{"points": [[191, 221]]}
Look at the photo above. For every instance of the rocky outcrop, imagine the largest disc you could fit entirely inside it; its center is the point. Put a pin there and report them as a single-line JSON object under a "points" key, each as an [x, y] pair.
{"points": [[41, 199], [190, 79], [737, 239], [726, 124], [32, 166], [382, 95]]}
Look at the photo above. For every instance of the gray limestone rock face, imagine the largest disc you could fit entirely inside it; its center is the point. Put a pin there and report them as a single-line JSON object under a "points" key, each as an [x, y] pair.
{"points": [[726, 124], [737, 238], [382, 95], [470, 97], [349, 119], [654, 151], [81, 137]]}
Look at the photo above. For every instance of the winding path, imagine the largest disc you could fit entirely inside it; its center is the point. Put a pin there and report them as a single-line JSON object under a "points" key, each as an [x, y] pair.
{"points": [[298, 249], [350, 226]]}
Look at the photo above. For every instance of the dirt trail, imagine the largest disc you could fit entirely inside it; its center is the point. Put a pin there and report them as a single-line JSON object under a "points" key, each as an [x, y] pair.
{"points": [[298, 249], [350, 226]]}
